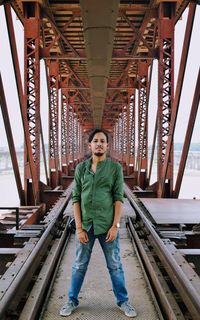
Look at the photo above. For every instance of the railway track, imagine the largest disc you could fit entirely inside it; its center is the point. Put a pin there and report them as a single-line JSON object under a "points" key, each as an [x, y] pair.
{"points": [[172, 278]]}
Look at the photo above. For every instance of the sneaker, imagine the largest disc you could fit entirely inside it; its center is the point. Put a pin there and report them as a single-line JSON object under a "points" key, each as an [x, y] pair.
{"points": [[67, 309], [128, 309]]}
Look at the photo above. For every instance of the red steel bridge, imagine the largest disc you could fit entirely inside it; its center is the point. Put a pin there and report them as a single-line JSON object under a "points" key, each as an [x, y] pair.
{"points": [[98, 57]]}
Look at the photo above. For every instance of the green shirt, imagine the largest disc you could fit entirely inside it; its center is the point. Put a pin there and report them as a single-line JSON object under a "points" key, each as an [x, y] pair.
{"points": [[97, 193]]}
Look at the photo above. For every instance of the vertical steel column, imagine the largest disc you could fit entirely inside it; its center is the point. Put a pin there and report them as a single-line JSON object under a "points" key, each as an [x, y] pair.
{"points": [[113, 146], [131, 132], [117, 140], [114, 153], [124, 135], [75, 137], [165, 91], [64, 130], [53, 80], [71, 137], [120, 137], [142, 123], [79, 141], [177, 97], [32, 98]]}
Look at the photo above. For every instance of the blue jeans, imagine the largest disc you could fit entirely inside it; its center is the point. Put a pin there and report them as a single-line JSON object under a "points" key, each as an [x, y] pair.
{"points": [[112, 255]]}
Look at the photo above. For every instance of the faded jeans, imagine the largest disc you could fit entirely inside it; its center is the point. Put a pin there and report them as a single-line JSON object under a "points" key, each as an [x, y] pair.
{"points": [[112, 255]]}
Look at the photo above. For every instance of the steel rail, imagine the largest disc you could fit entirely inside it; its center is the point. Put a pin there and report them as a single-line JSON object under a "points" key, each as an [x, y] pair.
{"points": [[53, 279], [187, 292], [162, 299], [39, 292], [20, 283]]}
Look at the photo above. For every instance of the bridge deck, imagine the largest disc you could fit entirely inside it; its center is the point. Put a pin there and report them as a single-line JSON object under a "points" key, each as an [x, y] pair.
{"points": [[96, 298]]}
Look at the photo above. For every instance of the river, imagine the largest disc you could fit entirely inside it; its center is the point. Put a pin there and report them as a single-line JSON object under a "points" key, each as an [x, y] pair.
{"points": [[9, 196]]}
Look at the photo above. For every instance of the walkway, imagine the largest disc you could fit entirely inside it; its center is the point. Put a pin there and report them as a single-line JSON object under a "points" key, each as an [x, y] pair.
{"points": [[96, 298]]}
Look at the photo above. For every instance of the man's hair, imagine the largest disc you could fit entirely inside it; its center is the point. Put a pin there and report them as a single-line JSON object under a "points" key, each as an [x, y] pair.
{"points": [[97, 130]]}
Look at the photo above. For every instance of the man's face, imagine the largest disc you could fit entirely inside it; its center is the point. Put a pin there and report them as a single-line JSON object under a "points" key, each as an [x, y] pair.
{"points": [[99, 144]]}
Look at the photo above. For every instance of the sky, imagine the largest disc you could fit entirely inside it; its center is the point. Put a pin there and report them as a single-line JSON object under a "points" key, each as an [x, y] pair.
{"points": [[6, 70]]}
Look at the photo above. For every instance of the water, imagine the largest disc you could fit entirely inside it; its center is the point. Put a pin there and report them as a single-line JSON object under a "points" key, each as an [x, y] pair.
{"points": [[9, 196]]}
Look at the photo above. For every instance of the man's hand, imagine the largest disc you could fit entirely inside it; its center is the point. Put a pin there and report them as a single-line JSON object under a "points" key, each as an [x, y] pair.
{"points": [[112, 234], [82, 236]]}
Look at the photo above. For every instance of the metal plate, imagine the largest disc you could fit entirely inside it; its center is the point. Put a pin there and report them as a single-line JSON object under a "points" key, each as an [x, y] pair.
{"points": [[173, 211]]}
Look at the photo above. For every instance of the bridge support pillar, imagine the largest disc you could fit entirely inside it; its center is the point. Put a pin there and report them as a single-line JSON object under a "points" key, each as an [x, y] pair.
{"points": [[32, 100], [53, 83], [64, 130], [142, 159], [131, 132], [165, 93]]}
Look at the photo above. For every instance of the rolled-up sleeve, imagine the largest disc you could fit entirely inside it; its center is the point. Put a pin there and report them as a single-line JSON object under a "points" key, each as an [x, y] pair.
{"points": [[118, 188], [76, 191]]}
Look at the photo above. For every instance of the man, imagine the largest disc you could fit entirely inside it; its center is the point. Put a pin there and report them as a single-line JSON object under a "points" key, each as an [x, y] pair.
{"points": [[97, 200]]}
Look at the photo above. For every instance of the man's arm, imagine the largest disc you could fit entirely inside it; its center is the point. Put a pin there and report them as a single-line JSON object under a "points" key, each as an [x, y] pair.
{"points": [[118, 193], [76, 199], [112, 232], [81, 234], [117, 213]]}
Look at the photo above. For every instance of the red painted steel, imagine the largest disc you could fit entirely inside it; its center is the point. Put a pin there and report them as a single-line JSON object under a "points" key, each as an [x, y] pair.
{"points": [[28, 146], [174, 113], [32, 99], [64, 130], [166, 24], [132, 130], [142, 158], [140, 38], [53, 81]]}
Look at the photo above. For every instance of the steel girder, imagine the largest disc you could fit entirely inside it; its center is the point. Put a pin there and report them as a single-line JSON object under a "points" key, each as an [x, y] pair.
{"points": [[166, 25], [124, 135], [114, 142], [30, 165], [71, 134], [32, 99], [182, 68], [64, 129], [53, 82], [123, 145], [143, 86], [134, 41], [131, 132], [75, 137]]}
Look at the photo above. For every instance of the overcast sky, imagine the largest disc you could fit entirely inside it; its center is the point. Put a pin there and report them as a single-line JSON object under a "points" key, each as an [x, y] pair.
{"points": [[12, 99]]}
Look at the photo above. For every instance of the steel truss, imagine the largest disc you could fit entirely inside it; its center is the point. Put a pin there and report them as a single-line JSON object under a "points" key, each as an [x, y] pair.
{"points": [[53, 82], [64, 130], [182, 68], [166, 25], [142, 122], [123, 144], [131, 59], [32, 96], [131, 132]]}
